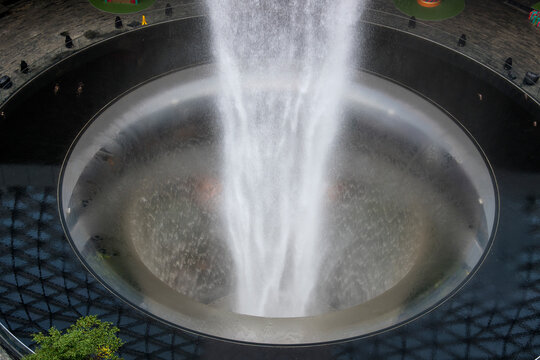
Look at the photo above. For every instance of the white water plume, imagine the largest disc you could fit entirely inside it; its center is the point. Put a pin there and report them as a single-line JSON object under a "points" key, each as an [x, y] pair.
{"points": [[283, 66]]}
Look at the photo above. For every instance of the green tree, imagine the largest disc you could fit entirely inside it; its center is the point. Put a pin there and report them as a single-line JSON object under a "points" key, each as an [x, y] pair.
{"points": [[87, 339]]}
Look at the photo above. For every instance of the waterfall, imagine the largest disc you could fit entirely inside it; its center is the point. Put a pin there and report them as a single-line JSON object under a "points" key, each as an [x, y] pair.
{"points": [[283, 67]]}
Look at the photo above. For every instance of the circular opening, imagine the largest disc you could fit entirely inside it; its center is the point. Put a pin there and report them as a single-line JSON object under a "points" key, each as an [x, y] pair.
{"points": [[411, 208]]}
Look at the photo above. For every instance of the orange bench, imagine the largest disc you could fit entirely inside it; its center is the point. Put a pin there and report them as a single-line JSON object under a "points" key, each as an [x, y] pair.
{"points": [[429, 3]]}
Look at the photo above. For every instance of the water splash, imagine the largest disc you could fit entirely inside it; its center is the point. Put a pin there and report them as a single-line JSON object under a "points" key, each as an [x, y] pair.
{"points": [[276, 142]]}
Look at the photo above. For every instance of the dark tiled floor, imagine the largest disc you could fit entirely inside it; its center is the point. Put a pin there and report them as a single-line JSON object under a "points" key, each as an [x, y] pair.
{"points": [[31, 31], [494, 32]]}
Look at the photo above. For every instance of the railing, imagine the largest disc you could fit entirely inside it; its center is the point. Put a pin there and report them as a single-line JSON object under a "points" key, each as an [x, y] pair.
{"points": [[133, 21], [130, 22], [474, 49], [16, 348]]}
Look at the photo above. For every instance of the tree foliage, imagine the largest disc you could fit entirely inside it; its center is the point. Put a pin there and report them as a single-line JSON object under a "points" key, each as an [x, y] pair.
{"points": [[87, 339]]}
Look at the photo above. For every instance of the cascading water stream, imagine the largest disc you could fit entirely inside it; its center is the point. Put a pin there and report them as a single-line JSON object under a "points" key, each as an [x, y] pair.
{"points": [[276, 143]]}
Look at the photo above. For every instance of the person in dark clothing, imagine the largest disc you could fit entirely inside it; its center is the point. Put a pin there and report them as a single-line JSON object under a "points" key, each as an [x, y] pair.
{"points": [[69, 42], [24, 67]]}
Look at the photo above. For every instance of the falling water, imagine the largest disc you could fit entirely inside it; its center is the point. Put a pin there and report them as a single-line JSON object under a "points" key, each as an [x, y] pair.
{"points": [[283, 65]]}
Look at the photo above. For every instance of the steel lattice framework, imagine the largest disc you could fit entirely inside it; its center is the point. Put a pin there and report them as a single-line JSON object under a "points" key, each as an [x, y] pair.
{"points": [[42, 284]]}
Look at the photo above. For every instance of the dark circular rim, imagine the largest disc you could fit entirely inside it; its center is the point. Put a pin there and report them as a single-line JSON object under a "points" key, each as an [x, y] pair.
{"points": [[431, 308]]}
